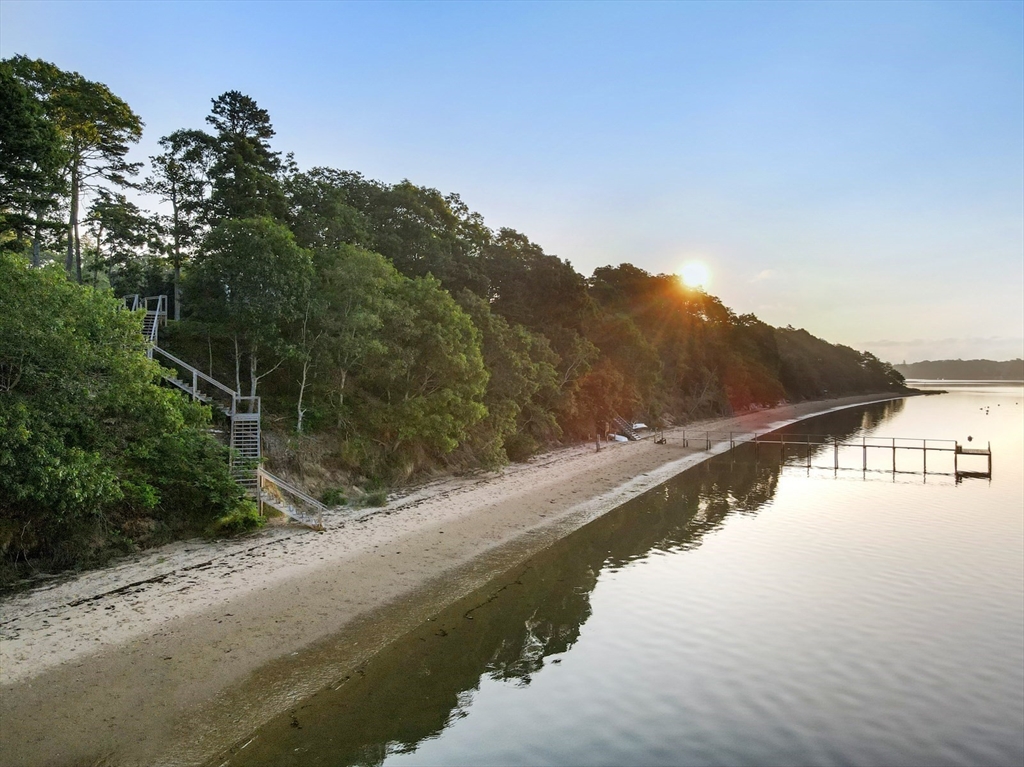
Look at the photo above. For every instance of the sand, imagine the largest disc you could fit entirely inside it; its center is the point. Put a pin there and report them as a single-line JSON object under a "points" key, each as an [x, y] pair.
{"points": [[173, 656]]}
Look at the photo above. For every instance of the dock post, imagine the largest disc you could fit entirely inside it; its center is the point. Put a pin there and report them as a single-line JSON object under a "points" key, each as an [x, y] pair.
{"points": [[925, 454], [893, 455], [808, 451], [864, 447], [956, 455], [835, 446], [707, 436], [990, 460]]}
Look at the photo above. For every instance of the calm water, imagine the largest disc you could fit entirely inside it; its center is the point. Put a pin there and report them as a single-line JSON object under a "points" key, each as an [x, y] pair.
{"points": [[745, 613]]}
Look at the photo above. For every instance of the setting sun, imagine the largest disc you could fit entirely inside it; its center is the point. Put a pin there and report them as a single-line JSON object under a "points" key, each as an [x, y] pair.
{"points": [[695, 274]]}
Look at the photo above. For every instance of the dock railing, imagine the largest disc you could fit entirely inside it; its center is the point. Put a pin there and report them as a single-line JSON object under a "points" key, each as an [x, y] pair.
{"points": [[812, 444]]}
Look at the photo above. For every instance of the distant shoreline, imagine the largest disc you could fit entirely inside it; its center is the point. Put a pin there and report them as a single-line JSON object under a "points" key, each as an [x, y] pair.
{"points": [[963, 370], [911, 382], [177, 654]]}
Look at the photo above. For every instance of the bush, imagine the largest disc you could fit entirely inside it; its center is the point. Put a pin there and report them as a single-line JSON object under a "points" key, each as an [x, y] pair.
{"points": [[333, 496], [242, 519], [96, 457]]}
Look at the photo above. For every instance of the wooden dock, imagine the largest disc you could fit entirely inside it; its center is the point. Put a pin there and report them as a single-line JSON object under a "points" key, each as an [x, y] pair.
{"points": [[815, 444]]}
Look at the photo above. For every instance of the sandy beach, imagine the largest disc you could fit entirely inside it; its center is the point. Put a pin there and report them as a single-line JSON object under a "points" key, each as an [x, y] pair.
{"points": [[176, 654]]}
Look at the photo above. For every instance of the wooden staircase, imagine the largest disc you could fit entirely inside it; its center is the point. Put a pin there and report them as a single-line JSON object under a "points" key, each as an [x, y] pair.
{"points": [[244, 435], [625, 428], [156, 314], [289, 500]]}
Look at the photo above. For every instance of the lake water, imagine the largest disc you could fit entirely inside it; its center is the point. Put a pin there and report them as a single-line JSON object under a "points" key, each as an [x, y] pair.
{"points": [[745, 613]]}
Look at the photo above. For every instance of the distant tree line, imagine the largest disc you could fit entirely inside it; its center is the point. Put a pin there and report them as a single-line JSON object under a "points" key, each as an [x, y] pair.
{"points": [[965, 370], [386, 322]]}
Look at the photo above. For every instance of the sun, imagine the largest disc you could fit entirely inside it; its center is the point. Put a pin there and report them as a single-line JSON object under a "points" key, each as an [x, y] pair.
{"points": [[695, 275]]}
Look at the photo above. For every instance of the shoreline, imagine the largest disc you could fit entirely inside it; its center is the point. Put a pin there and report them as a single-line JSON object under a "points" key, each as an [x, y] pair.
{"points": [[176, 654]]}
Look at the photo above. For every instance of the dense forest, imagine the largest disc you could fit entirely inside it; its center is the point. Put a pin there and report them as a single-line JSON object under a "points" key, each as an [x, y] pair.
{"points": [[387, 328], [964, 370]]}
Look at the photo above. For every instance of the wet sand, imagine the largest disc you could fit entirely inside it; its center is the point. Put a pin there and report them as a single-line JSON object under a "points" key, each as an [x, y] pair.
{"points": [[177, 654]]}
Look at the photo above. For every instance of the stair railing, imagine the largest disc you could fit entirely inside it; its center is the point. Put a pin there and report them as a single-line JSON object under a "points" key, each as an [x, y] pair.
{"points": [[212, 391], [156, 304], [288, 499]]}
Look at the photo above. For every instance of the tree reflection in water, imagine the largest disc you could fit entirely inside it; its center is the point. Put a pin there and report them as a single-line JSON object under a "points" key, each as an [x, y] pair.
{"points": [[412, 690]]}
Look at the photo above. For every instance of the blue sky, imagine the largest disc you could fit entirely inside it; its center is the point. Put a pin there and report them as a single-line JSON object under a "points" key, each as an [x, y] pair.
{"points": [[856, 169]]}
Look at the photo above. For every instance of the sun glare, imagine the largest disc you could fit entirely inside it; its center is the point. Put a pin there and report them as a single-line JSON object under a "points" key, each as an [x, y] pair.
{"points": [[695, 275]]}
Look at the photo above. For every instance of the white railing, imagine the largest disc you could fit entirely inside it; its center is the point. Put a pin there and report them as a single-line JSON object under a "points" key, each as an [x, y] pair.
{"points": [[289, 500]]}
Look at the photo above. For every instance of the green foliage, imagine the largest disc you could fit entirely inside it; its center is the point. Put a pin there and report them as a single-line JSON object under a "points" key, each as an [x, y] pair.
{"points": [[244, 518], [244, 173], [250, 282], [333, 496], [181, 180], [421, 394], [30, 160], [521, 388], [92, 449], [376, 498], [96, 129]]}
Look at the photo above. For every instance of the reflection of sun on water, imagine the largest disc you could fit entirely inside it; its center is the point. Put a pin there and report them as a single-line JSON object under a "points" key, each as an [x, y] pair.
{"points": [[695, 274]]}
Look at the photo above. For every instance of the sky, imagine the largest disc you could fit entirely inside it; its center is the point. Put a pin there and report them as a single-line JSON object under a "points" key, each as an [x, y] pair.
{"points": [[855, 169]]}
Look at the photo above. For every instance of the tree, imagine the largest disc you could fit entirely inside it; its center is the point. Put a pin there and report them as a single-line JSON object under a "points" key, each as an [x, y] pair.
{"points": [[245, 171], [251, 282], [94, 452], [421, 393], [121, 234], [96, 129], [181, 178], [522, 387], [321, 210], [355, 293], [30, 161], [423, 231]]}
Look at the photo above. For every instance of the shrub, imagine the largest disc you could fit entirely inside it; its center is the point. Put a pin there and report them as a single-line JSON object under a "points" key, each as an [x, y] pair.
{"points": [[333, 496], [241, 519]]}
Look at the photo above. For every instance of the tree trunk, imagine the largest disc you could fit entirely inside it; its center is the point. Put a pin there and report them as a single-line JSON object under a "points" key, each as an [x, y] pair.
{"points": [[177, 290], [78, 256], [238, 367], [341, 395], [176, 223], [35, 238], [253, 378], [69, 258], [302, 393], [99, 254]]}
